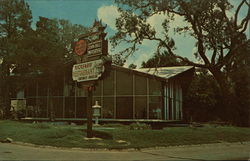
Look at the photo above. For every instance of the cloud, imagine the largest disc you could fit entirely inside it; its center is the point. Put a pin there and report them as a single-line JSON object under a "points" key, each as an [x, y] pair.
{"points": [[108, 15], [138, 58], [156, 22]]}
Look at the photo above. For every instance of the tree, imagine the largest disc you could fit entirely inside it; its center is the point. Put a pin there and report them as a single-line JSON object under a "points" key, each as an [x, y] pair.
{"points": [[239, 73], [118, 59], [218, 36], [15, 21], [132, 66], [25, 51], [162, 60], [203, 98], [53, 53]]}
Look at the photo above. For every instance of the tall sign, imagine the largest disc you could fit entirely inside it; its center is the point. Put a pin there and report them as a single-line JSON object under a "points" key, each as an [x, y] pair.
{"points": [[89, 52], [90, 49]]}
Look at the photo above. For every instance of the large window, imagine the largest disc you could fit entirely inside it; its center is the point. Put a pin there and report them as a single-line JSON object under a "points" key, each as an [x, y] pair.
{"points": [[108, 107], [124, 83], [155, 87], [57, 105], [70, 107], [81, 107], [155, 107], [141, 107], [124, 108], [108, 84], [140, 85]]}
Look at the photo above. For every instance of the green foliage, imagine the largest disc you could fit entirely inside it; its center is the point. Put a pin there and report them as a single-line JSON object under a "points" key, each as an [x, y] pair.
{"points": [[162, 60], [202, 99], [15, 21], [42, 125], [102, 135], [139, 126], [118, 59], [132, 66], [29, 53], [66, 136], [239, 73], [114, 125]]}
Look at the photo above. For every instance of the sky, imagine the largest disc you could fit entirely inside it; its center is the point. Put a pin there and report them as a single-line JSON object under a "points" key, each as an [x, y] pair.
{"points": [[84, 12]]}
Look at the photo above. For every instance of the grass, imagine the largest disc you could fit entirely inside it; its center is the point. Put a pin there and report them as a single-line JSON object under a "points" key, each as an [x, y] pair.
{"points": [[119, 136]]}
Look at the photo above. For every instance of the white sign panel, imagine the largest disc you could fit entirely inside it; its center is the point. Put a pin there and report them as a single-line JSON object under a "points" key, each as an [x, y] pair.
{"points": [[88, 71]]}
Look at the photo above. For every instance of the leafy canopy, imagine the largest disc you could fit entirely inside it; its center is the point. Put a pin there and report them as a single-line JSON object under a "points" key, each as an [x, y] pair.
{"points": [[217, 36]]}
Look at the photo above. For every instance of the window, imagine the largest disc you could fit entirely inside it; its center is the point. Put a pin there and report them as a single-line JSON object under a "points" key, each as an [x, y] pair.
{"points": [[124, 83]]}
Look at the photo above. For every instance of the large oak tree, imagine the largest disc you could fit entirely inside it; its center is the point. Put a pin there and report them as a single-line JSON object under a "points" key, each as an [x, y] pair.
{"points": [[218, 36]]}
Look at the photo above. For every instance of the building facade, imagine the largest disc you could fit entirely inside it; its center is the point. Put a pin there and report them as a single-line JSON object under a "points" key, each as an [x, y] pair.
{"points": [[140, 94]]}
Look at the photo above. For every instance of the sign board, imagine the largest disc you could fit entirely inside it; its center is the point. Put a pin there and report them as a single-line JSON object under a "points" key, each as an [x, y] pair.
{"points": [[81, 47], [93, 45], [88, 71], [90, 49]]}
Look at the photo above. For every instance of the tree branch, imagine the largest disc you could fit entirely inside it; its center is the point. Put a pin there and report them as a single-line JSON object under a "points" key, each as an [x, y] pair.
{"points": [[230, 54], [214, 56], [168, 8], [191, 63], [237, 12]]}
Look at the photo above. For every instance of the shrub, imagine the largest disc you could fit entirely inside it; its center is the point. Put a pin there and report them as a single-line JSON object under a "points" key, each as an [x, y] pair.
{"points": [[42, 125], [101, 134], [114, 125], [139, 126]]}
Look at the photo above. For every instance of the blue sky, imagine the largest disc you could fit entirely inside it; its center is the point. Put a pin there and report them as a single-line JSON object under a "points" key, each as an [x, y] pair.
{"points": [[86, 11]]}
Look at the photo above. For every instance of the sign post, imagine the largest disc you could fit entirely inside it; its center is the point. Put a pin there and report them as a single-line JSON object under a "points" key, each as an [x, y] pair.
{"points": [[90, 50], [89, 111]]}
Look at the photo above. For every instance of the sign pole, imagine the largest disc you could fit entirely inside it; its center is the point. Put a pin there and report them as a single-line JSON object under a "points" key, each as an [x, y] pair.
{"points": [[89, 111], [90, 50]]}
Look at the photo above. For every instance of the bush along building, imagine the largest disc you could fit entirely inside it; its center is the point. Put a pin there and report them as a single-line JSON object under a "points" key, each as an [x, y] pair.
{"points": [[152, 94]]}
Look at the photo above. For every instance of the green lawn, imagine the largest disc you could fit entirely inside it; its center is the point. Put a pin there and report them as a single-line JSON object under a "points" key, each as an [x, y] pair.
{"points": [[73, 136]]}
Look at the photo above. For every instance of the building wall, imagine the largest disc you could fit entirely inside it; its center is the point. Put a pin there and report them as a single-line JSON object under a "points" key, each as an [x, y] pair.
{"points": [[123, 94]]}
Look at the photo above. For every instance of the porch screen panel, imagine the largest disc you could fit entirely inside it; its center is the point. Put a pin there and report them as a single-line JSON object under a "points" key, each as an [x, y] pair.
{"points": [[98, 89], [141, 107], [124, 83], [42, 107], [124, 107], [156, 110], [108, 84], [81, 107], [140, 85], [70, 107], [108, 107], [57, 106]]}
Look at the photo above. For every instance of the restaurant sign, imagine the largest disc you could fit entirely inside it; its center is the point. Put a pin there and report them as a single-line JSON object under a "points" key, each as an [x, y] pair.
{"points": [[87, 71]]}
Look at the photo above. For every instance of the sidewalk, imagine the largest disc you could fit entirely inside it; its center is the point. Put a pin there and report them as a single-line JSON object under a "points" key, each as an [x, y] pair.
{"points": [[220, 151]]}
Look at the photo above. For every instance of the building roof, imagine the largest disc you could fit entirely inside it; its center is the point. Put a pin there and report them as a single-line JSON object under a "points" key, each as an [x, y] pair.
{"points": [[165, 72]]}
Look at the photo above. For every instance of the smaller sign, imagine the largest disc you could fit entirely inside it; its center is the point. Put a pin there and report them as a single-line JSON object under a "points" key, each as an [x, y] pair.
{"points": [[95, 44], [81, 47], [88, 71]]}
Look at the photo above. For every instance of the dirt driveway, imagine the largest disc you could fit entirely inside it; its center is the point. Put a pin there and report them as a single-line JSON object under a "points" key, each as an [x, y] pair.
{"points": [[220, 151]]}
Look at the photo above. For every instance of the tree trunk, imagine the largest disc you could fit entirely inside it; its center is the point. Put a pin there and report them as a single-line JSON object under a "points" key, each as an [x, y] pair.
{"points": [[6, 91], [228, 111], [51, 105]]}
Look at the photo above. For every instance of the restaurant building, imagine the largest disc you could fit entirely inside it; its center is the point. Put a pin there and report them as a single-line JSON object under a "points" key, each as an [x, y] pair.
{"points": [[124, 94]]}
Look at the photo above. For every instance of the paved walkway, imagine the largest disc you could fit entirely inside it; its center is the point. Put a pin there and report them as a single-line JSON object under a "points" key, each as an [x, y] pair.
{"points": [[220, 151]]}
